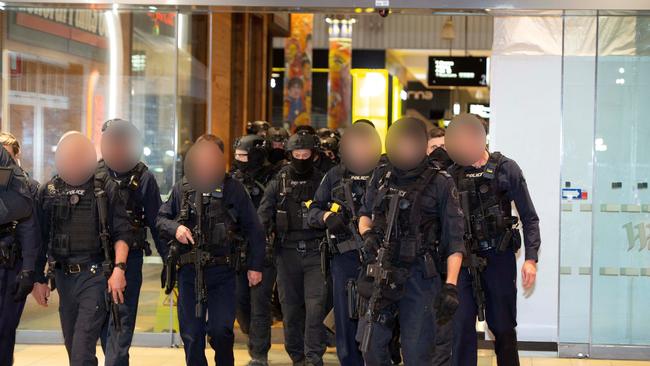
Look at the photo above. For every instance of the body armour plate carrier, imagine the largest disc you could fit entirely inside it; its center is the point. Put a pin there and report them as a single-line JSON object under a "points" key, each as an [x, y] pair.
{"points": [[492, 223], [219, 221], [414, 234], [74, 226]]}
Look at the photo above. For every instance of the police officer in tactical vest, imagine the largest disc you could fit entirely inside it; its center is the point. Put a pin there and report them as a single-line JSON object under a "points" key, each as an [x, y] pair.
{"points": [[254, 316], [488, 183], [203, 214], [277, 139], [410, 213], [84, 222], [121, 148], [301, 284], [336, 207], [20, 244]]}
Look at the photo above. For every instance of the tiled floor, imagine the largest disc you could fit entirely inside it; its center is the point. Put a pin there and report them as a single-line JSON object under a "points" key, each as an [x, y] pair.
{"points": [[32, 355]]}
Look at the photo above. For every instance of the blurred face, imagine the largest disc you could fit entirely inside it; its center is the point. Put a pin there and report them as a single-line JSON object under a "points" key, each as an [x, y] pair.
{"points": [[465, 140], [405, 151], [435, 143], [205, 166], [75, 159], [241, 155], [121, 151], [360, 149], [301, 154]]}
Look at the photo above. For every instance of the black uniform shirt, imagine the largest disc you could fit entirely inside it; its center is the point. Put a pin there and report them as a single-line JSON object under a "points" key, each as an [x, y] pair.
{"points": [[511, 181], [235, 197]]}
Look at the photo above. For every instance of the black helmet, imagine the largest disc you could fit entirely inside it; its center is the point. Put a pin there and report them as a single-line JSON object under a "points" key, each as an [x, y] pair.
{"points": [[255, 146], [277, 134], [257, 127], [326, 132], [307, 128], [301, 140], [250, 143], [329, 143]]}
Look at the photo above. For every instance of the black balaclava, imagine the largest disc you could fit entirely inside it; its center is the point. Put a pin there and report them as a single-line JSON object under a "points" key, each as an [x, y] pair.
{"points": [[302, 167], [441, 156]]}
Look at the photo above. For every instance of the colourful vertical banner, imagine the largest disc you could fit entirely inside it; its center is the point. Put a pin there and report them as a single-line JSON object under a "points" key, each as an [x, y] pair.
{"points": [[297, 74], [340, 79]]}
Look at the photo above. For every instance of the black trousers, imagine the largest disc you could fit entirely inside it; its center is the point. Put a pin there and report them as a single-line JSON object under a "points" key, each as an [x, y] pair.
{"points": [[82, 309], [303, 292], [499, 283]]}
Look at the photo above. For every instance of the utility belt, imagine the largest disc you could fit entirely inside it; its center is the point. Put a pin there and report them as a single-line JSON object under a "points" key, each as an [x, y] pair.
{"points": [[302, 246], [342, 246], [10, 252], [208, 260], [70, 268], [510, 239]]}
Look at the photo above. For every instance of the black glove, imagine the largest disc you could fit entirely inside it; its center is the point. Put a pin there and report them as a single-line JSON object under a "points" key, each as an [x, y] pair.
{"points": [[24, 285], [446, 303], [336, 226], [370, 246]]}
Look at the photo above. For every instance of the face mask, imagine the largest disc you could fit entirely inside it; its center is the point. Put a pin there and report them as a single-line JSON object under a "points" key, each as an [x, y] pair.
{"points": [[276, 155], [241, 165], [302, 166], [440, 155]]}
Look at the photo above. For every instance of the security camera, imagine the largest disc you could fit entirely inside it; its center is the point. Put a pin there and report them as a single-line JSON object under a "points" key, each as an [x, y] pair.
{"points": [[383, 12]]}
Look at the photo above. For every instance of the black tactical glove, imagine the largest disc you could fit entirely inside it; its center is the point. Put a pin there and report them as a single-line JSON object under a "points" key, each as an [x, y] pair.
{"points": [[24, 285], [336, 226], [370, 246], [446, 303]]}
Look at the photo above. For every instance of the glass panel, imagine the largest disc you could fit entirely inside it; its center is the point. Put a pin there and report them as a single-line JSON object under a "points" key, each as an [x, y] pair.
{"points": [[72, 69], [621, 217], [578, 87]]}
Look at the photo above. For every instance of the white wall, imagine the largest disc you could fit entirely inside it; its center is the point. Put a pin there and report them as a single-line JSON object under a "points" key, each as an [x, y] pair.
{"points": [[526, 102]]}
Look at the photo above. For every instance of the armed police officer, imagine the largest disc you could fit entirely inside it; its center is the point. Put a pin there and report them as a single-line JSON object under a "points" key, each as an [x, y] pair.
{"points": [[202, 214], [436, 148], [488, 183], [301, 284], [85, 224], [336, 207], [20, 245], [254, 316], [277, 139], [121, 148], [410, 208]]}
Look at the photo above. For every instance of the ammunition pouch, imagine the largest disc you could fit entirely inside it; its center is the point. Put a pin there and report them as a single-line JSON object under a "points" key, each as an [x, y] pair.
{"points": [[282, 221], [60, 246], [353, 299], [408, 249]]}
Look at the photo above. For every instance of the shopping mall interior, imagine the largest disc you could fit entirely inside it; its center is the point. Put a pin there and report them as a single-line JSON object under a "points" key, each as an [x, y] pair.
{"points": [[564, 86]]}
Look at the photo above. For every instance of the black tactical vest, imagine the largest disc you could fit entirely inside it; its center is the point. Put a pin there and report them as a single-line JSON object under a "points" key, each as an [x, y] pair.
{"points": [[295, 196], [490, 208], [412, 233], [74, 229], [127, 187], [219, 220]]}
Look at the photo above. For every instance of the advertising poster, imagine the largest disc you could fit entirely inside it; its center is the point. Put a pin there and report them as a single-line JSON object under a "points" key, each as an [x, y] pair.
{"points": [[340, 82], [297, 74]]}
